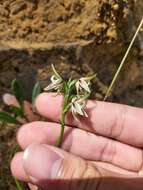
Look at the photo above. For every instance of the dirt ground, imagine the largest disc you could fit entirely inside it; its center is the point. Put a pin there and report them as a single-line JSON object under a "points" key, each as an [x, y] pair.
{"points": [[61, 20], [79, 37]]}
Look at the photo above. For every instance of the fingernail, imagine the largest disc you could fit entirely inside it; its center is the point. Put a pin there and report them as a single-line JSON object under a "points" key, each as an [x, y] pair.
{"points": [[10, 100], [41, 162]]}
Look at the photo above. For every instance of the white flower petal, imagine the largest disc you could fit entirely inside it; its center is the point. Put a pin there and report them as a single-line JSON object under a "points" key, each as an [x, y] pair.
{"points": [[77, 85], [55, 84], [53, 78], [85, 114], [85, 85], [49, 87], [78, 109], [73, 111], [56, 73], [82, 86]]}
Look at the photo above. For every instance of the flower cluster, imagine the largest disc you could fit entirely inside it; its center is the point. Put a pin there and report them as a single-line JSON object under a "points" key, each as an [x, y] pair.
{"points": [[82, 90]]}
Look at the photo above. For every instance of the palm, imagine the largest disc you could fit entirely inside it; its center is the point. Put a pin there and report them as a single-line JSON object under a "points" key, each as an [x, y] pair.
{"points": [[112, 133], [111, 137]]}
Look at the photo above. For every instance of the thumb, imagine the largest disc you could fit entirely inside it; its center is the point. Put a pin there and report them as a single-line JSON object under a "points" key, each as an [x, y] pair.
{"points": [[51, 168]]}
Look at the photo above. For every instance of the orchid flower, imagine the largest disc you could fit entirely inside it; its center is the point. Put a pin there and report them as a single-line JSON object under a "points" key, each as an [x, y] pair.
{"points": [[56, 81], [75, 94], [78, 105], [83, 85]]}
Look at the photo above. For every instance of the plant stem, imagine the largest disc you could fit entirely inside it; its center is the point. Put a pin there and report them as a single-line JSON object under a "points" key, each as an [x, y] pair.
{"points": [[18, 184], [65, 108], [59, 142], [123, 61]]}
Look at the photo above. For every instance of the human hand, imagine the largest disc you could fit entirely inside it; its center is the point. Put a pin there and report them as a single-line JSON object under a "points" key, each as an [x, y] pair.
{"points": [[101, 152]]}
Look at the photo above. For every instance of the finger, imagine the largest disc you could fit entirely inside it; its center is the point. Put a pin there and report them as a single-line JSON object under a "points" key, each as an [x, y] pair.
{"points": [[10, 100], [29, 112], [19, 172], [82, 143], [120, 122], [51, 168], [17, 167]]}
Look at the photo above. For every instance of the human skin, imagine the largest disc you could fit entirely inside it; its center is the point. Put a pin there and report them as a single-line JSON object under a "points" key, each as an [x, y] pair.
{"points": [[101, 152]]}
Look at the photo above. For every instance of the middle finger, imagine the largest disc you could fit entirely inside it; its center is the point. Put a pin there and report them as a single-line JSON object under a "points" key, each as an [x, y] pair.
{"points": [[82, 143]]}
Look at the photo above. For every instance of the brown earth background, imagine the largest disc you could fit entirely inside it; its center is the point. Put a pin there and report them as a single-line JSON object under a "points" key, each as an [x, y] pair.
{"points": [[79, 37]]}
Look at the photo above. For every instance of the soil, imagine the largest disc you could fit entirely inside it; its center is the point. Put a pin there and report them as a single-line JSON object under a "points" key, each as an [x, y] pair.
{"points": [[61, 20], [79, 37]]}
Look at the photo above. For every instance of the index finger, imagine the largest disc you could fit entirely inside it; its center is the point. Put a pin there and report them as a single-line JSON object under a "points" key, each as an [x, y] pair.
{"points": [[121, 122]]}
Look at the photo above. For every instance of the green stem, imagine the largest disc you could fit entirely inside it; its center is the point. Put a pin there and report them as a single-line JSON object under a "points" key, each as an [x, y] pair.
{"points": [[65, 109], [59, 141], [18, 184]]}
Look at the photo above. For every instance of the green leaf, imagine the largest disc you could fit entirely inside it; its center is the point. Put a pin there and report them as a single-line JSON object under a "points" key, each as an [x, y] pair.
{"points": [[16, 110], [19, 185], [5, 117], [35, 92], [71, 83], [17, 91], [66, 109]]}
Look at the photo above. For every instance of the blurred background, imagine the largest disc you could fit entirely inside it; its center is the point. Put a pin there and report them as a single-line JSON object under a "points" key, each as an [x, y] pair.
{"points": [[79, 37]]}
